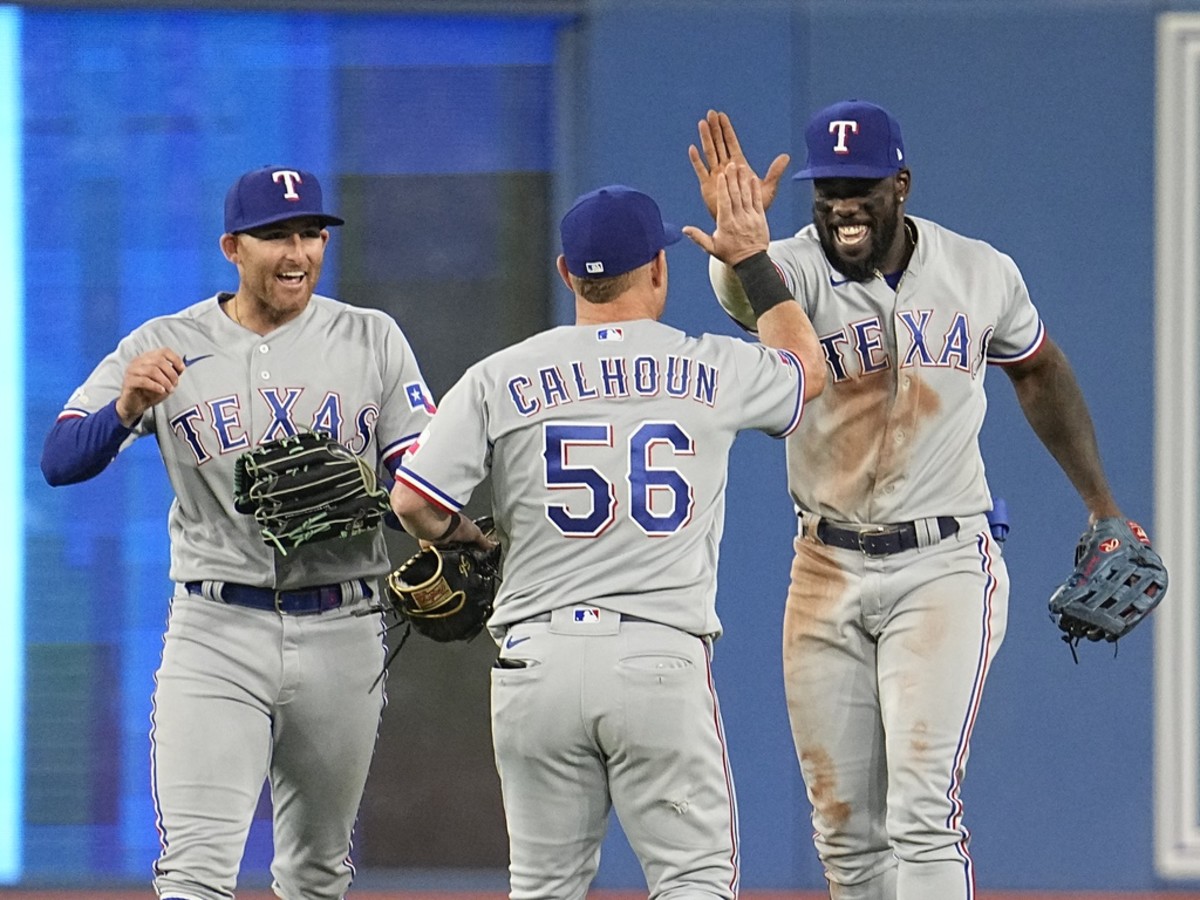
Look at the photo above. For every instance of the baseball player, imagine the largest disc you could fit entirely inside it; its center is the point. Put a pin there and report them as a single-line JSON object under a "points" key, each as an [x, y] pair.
{"points": [[607, 443], [266, 668], [898, 597]]}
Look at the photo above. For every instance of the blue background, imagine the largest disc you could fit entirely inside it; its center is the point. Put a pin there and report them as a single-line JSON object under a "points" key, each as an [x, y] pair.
{"points": [[1028, 124]]}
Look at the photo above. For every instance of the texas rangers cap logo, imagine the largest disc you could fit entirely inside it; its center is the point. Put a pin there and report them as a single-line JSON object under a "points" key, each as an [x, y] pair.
{"points": [[289, 179], [841, 127]]}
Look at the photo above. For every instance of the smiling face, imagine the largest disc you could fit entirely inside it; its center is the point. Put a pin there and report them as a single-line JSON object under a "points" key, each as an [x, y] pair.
{"points": [[278, 266], [859, 222]]}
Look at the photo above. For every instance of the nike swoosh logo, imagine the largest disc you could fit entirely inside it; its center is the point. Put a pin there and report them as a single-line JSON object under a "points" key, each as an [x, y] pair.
{"points": [[837, 283], [195, 359], [513, 641]]}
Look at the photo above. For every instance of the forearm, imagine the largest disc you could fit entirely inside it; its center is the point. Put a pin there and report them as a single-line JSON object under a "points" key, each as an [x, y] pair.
{"points": [[422, 519], [782, 323], [1055, 408], [728, 288], [787, 327]]}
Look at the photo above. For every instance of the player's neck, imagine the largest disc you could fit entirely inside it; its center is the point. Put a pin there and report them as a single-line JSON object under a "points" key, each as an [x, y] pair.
{"points": [[629, 306], [260, 318], [902, 248]]}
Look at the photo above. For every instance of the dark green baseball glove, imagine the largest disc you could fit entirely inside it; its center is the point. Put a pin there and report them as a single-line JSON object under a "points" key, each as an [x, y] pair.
{"points": [[307, 488]]}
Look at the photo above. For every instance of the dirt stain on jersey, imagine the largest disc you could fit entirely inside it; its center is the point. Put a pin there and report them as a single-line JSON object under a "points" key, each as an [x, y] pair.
{"points": [[857, 436], [818, 584], [919, 740], [821, 779]]}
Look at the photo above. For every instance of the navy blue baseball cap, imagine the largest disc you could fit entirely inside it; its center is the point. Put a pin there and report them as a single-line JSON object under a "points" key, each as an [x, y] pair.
{"points": [[852, 139], [274, 194], [613, 230]]}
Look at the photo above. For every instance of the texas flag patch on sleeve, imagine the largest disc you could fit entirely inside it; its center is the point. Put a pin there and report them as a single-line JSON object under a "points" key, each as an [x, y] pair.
{"points": [[418, 397]]}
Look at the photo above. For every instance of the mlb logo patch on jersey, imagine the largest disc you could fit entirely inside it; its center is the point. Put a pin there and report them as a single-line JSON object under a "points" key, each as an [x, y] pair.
{"points": [[418, 397], [610, 334], [585, 614]]}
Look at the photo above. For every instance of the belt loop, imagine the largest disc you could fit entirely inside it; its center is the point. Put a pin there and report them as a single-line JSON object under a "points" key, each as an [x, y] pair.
{"points": [[355, 590], [928, 532], [808, 524]]}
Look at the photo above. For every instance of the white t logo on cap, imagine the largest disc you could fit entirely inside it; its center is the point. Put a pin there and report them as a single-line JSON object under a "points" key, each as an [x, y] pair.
{"points": [[290, 179], [842, 126]]}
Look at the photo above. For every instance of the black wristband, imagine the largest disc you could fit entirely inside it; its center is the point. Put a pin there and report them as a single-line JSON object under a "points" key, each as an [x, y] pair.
{"points": [[455, 521], [761, 282]]}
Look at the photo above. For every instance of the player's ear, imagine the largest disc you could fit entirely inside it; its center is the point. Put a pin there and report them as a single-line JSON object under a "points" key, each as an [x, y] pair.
{"points": [[658, 269], [564, 274], [229, 246], [903, 185]]}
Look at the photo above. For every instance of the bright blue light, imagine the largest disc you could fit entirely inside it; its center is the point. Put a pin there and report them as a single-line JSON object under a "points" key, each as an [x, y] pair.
{"points": [[12, 527]]}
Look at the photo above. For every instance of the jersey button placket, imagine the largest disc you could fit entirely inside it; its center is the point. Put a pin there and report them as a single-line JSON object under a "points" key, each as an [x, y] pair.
{"points": [[264, 349]]}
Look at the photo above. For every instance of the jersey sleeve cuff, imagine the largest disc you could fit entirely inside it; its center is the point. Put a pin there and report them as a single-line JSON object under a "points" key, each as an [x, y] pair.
{"points": [[1008, 359], [427, 490], [792, 359]]}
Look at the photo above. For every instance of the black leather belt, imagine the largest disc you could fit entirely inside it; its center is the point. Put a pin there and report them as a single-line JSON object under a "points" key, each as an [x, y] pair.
{"points": [[301, 602], [880, 540]]}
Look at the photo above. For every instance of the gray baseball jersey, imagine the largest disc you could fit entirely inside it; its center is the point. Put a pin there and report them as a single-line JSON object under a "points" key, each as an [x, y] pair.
{"points": [[241, 389], [903, 446], [631, 425], [885, 653], [244, 694], [607, 448]]}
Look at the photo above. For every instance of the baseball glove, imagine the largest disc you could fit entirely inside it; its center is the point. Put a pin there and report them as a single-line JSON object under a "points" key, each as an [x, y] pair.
{"points": [[1118, 580], [446, 593], [306, 488]]}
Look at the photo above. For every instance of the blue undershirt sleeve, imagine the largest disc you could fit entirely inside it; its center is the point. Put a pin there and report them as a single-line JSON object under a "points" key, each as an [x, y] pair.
{"points": [[79, 448]]}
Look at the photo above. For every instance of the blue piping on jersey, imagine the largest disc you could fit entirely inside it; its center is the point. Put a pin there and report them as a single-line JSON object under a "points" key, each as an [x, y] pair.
{"points": [[427, 490], [1036, 345]]}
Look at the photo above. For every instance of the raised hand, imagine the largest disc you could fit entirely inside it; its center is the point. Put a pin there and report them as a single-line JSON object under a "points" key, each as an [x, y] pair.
{"points": [[742, 228], [720, 146], [149, 379]]}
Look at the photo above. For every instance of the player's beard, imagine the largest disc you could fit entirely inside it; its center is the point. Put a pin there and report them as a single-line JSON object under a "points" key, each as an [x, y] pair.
{"points": [[883, 232]]}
